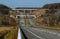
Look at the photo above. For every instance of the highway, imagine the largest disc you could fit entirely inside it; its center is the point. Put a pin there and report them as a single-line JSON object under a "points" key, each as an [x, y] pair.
{"points": [[31, 21], [21, 23], [37, 33]]}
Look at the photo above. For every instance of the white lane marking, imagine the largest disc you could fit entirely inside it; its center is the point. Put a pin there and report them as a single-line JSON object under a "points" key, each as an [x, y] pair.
{"points": [[51, 32], [35, 34], [19, 34]]}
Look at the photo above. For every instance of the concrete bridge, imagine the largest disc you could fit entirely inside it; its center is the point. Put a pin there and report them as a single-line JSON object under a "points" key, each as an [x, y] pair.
{"points": [[26, 15], [26, 9]]}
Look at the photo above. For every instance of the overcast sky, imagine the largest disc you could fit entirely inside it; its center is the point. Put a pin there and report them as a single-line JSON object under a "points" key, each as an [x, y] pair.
{"points": [[27, 3]]}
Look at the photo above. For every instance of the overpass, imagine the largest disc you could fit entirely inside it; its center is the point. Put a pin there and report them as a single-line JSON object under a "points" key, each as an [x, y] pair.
{"points": [[26, 15], [26, 9]]}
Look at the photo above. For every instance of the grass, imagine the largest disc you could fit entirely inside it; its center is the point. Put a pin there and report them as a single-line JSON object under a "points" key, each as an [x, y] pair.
{"points": [[38, 25], [48, 27], [12, 34], [27, 23]]}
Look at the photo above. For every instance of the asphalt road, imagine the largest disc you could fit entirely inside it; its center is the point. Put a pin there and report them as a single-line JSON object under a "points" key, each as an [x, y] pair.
{"points": [[31, 21], [38, 33]]}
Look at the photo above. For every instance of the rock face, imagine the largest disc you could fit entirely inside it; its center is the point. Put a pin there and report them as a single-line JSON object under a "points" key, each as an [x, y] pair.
{"points": [[52, 6]]}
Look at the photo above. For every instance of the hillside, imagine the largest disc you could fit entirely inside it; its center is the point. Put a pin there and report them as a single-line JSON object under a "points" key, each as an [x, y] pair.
{"points": [[8, 23], [52, 6], [48, 15], [4, 9]]}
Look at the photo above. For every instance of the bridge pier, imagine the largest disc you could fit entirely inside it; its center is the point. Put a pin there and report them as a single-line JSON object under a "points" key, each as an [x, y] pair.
{"points": [[24, 11], [30, 11]]}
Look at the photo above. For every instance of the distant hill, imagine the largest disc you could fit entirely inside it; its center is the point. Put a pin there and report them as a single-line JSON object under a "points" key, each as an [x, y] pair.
{"points": [[52, 6], [4, 9]]}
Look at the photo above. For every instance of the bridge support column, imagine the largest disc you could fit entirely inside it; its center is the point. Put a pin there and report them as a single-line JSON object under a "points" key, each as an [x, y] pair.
{"points": [[17, 12], [30, 11], [24, 11]]}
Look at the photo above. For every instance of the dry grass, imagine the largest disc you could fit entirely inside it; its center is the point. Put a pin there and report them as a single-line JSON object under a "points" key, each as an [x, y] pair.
{"points": [[48, 27], [27, 23], [9, 32], [41, 25], [12, 34], [5, 28]]}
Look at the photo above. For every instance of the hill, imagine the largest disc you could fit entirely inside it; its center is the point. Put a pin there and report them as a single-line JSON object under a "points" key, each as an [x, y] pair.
{"points": [[48, 15], [4, 9], [52, 6]]}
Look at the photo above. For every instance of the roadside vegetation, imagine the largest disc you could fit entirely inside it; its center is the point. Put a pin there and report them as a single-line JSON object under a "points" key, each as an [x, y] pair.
{"points": [[8, 23], [27, 23], [48, 16], [12, 34]]}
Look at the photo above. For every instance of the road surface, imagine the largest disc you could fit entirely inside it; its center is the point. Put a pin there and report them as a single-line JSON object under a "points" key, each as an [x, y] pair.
{"points": [[38, 33]]}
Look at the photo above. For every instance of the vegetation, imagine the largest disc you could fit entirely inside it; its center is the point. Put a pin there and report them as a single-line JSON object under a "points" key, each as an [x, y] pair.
{"points": [[8, 23], [12, 34], [52, 6], [48, 15], [27, 23]]}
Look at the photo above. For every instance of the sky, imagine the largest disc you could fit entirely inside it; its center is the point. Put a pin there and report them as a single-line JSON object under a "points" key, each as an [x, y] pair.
{"points": [[27, 3]]}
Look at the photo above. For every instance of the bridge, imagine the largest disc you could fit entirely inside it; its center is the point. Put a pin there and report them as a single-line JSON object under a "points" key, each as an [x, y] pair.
{"points": [[26, 15], [26, 9]]}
